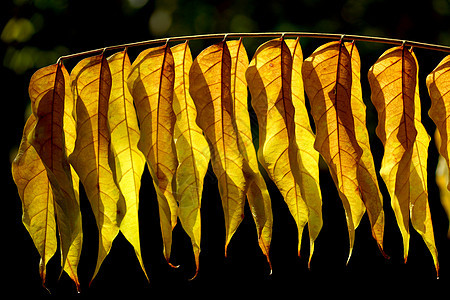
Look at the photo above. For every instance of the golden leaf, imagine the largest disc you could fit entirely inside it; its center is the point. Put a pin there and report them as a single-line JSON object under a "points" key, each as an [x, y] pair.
{"points": [[438, 84], [210, 88], [129, 162], [395, 95], [327, 74], [442, 180], [34, 189], [439, 91], [367, 176], [91, 86], [269, 80], [151, 83], [257, 194], [307, 156], [192, 150], [49, 95]]}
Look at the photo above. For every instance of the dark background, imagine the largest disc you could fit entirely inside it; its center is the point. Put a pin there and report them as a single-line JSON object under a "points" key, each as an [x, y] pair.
{"points": [[35, 33]]}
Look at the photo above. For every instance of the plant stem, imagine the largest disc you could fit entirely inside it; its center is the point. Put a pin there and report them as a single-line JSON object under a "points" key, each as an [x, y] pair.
{"points": [[334, 36]]}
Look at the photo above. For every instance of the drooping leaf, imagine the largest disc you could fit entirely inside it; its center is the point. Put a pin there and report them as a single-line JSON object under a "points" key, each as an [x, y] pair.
{"points": [[442, 180], [49, 93], [34, 189], [438, 84], [91, 86], [151, 83], [269, 80], [192, 150], [327, 74], [257, 194], [210, 88], [367, 176], [395, 95], [307, 156], [129, 162]]}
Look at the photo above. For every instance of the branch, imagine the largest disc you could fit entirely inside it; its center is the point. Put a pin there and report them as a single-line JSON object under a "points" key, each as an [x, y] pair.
{"points": [[334, 36]]}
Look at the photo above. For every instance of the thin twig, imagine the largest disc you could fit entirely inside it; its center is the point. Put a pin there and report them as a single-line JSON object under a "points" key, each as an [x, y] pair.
{"points": [[335, 36]]}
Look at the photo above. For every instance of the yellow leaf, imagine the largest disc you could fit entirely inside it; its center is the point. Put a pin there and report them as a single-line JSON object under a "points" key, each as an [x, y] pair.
{"points": [[210, 88], [91, 86], [257, 194], [34, 189], [367, 176], [307, 156], [192, 150], [438, 84], [151, 83], [328, 83], [269, 80], [395, 95], [129, 162], [49, 93]]}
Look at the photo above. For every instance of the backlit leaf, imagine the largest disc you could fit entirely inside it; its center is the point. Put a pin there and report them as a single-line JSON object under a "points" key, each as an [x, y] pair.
{"points": [[192, 150], [438, 83], [49, 93], [328, 77], [34, 189], [151, 83], [210, 88], [395, 95], [269, 80], [307, 156], [91, 86], [129, 162], [367, 176], [257, 194]]}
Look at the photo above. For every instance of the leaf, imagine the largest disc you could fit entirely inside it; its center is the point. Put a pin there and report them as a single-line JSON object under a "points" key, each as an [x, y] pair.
{"points": [[307, 156], [327, 74], [192, 150], [49, 95], [91, 86], [151, 83], [34, 189], [269, 80], [439, 90], [129, 162], [442, 180], [395, 95], [257, 194], [367, 176], [210, 88]]}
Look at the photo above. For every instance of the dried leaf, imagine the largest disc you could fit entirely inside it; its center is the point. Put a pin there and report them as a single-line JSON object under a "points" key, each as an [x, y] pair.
{"points": [[192, 150], [210, 88], [257, 194], [34, 189], [442, 181], [395, 95], [151, 83], [307, 156], [49, 93], [91, 86], [269, 80], [129, 162], [328, 77]]}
